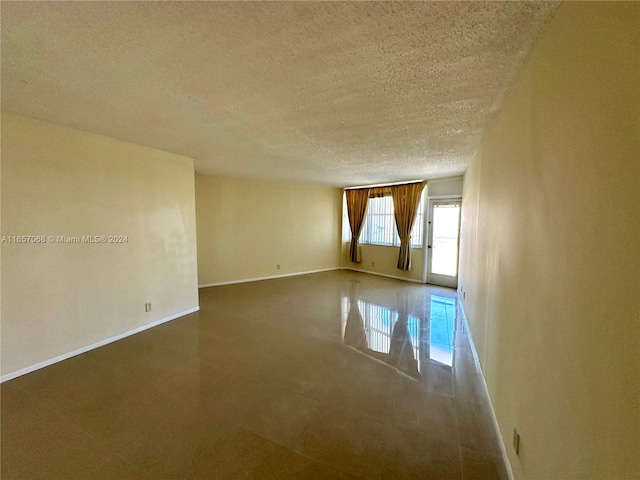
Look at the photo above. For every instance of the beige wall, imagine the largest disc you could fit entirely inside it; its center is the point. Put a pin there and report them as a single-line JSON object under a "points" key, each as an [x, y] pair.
{"points": [[247, 228], [550, 250], [57, 298], [445, 187], [383, 260]]}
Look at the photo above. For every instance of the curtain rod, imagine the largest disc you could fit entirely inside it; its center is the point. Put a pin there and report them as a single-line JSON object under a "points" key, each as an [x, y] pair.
{"points": [[382, 185]]}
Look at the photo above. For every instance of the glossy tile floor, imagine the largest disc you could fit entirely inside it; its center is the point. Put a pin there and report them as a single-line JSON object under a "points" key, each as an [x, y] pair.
{"points": [[335, 375]]}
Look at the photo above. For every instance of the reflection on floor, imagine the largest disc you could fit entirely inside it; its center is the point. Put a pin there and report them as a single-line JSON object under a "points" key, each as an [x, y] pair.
{"points": [[403, 340], [328, 376]]}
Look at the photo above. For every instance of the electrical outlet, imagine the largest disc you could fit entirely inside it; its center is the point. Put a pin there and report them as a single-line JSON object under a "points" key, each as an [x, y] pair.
{"points": [[373, 264], [147, 307], [516, 441], [278, 267]]}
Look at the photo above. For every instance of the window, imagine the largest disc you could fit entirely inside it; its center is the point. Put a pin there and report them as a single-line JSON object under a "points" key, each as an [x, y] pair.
{"points": [[380, 225]]}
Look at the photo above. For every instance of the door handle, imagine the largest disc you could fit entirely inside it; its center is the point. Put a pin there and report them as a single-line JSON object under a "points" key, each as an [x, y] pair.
{"points": [[429, 246]]}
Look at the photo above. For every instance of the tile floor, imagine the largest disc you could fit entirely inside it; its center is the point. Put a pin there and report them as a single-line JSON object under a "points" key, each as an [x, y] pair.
{"points": [[337, 375]]}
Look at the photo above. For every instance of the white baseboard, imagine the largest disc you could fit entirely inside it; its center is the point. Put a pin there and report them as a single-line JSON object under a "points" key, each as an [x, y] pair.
{"points": [[496, 426], [59, 358], [382, 274], [270, 277]]}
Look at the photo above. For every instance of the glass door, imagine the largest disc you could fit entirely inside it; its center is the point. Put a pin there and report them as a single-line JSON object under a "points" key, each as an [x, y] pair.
{"points": [[442, 247]]}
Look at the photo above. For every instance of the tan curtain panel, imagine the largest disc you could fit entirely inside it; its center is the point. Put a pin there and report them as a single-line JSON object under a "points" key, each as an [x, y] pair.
{"points": [[405, 206], [357, 201]]}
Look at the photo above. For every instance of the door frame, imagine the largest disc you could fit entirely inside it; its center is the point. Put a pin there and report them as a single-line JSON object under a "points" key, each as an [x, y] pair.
{"points": [[441, 280]]}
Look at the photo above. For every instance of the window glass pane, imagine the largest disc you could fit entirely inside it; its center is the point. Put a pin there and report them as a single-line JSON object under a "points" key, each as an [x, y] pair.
{"points": [[444, 254], [380, 225]]}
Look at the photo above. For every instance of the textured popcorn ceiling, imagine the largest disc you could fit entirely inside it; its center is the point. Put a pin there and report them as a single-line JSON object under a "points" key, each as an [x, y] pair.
{"points": [[334, 93]]}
